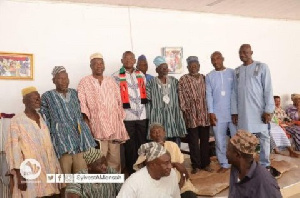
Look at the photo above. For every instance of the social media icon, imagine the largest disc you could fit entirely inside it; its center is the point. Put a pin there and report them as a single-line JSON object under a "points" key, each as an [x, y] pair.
{"points": [[69, 178], [60, 178], [50, 178]]}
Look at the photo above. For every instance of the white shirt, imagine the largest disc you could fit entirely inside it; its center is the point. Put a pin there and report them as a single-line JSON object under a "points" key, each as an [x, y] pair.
{"points": [[141, 185]]}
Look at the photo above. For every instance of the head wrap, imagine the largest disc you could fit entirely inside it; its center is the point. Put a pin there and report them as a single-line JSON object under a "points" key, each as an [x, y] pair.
{"points": [[149, 152], [295, 96], [58, 69], [159, 60], [96, 55], [92, 155], [142, 57], [245, 142], [28, 90], [192, 59]]}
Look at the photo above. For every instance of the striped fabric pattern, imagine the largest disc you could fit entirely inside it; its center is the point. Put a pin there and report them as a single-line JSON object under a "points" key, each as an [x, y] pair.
{"points": [[169, 115], [69, 133], [102, 105], [90, 190], [92, 155], [151, 150], [192, 98]]}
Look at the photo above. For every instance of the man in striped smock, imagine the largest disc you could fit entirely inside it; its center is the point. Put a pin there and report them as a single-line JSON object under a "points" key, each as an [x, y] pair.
{"points": [[97, 164], [69, 133]]}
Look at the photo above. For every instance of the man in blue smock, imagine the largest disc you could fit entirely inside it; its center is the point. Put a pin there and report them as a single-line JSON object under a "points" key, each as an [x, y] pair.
{"points": [[252, 100], [219, 83]]}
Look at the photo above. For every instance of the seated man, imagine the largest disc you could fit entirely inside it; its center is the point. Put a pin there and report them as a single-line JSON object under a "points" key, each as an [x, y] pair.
{"points": [[96, 164], [29, 140], [156, 180], [247, 177], [158, 134], [278, 135]]}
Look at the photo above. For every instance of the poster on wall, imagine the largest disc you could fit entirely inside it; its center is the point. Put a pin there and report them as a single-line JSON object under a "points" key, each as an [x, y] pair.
{"points": [[173, 57], [16, 66]]}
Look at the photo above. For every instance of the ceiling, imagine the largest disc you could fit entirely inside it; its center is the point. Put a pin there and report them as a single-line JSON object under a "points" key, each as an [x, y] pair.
{"points": [[273, 9]]}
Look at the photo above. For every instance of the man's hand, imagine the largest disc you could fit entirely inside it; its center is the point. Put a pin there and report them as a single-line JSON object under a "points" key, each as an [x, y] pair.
{"points": [[234, 118], [182, 170], [213, 119], [21, 181], [266, 118]]}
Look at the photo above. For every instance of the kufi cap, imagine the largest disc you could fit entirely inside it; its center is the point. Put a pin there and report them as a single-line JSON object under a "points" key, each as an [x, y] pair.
{"points": [[142, 57], [149, 152], [245, 142], [28, 90], [159, 60], [58, 69], [192, 59], [96, 55], [92, 155]]}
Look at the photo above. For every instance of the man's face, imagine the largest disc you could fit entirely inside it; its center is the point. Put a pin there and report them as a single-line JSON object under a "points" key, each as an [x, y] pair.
{"points": [[231, 154], [97, 66], [163, 165], [61, 81], [277, 102], [245, 54], [142, 65], [193, 67], [128, 60], [99, 166], [32, 100], [162, 70], [217, 60], [157, 134]]}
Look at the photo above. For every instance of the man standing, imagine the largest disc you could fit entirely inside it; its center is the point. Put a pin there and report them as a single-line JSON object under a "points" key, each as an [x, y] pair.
{"points": [[247, 177], [70, 135], [29, 139], [191, 89], [252, 100], [101, 105], [142, 65], [219, 83], [132, 84], [156, 179]]}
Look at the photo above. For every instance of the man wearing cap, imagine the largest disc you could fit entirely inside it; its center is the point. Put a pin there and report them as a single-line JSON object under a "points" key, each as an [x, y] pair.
{"points": [[70, 135], [96, 164], [247, 177], [191, 89], [132, 85], [252, 100], [156, 179], [163, 102], [219, 83], [142, 65], [29, 138], [101, 105]]}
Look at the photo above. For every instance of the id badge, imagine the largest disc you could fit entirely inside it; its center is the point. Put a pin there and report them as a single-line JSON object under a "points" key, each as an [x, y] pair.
{"points": [[223, 93]]}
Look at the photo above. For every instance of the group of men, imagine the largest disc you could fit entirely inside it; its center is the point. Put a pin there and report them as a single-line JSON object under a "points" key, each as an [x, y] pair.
{"points": [[106, 113]]}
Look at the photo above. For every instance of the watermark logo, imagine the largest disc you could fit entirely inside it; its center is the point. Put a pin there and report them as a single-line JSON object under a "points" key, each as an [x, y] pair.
{"points": [[30, 169]]}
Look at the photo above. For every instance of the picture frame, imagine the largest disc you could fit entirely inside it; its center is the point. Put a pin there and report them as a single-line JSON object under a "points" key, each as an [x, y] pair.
{"points": [[16, 66], [173, 57]]}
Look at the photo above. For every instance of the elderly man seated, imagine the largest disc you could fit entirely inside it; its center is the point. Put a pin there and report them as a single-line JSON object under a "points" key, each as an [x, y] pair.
{"points": [[247, 177], [156, 180], [96, 164], [158, 134]]}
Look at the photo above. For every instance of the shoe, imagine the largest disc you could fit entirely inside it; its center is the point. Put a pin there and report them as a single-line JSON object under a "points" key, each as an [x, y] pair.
{"points": [[194, 171], [275, 173], [222, 170], [208, 169]]}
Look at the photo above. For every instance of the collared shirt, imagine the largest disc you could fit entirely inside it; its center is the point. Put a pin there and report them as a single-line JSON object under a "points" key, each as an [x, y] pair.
{"points": [[94, 190], [258, 183], [219, 86], [102, 105], [148, 77], [252, 95], [69, 132], [137, 110]]}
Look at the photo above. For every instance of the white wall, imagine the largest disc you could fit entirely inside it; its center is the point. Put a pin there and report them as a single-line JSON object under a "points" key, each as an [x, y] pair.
{"points": [[66, 34]]}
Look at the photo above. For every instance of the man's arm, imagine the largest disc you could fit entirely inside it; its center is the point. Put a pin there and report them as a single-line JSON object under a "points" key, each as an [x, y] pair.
{"points": [[268, 95], [210, 101], [234, 101]]}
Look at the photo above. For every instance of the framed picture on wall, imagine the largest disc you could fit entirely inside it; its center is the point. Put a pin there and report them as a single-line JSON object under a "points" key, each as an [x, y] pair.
{"points": [[16, 66], [173, 57]]}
